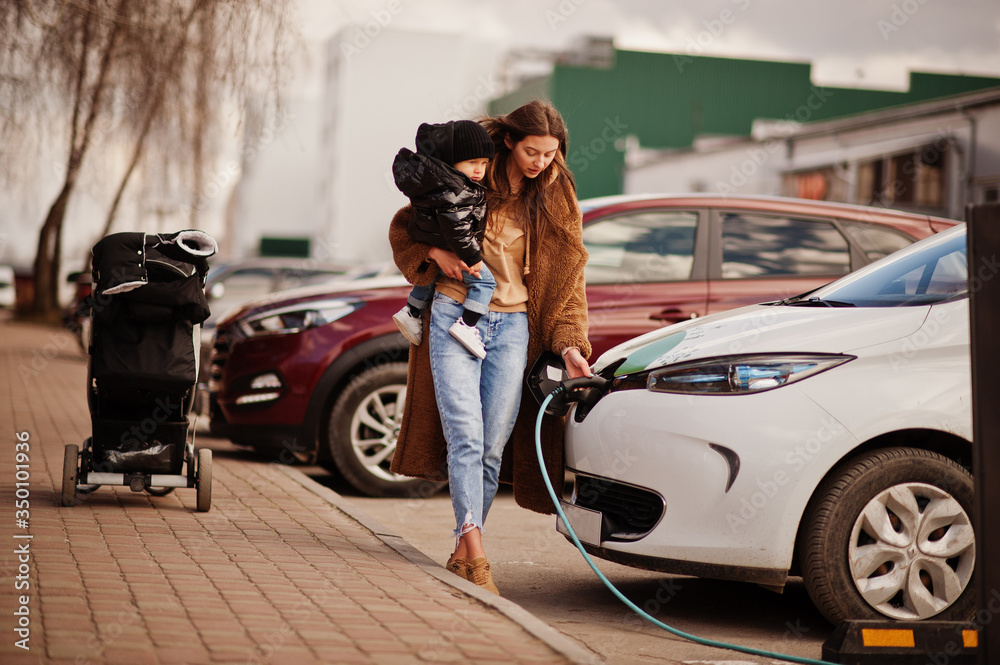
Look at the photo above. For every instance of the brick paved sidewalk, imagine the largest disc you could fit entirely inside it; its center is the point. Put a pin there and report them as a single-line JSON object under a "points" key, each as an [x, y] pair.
{"points": [[274, 573]]}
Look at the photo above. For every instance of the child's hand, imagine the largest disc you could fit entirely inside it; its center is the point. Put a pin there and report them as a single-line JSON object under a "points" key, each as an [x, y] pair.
{"points": [[474, 269], [448, 262]]}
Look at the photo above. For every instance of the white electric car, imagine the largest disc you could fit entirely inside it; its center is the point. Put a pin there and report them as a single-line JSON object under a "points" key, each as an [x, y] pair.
{"points": [[827, 436]]}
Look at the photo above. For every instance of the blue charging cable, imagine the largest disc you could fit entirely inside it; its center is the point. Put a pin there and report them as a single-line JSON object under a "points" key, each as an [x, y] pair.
{"points": [[635, 608]]}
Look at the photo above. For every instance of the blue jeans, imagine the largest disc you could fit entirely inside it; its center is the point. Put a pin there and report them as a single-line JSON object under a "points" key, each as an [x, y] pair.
{"points": [[476, 300], [478, 401]]}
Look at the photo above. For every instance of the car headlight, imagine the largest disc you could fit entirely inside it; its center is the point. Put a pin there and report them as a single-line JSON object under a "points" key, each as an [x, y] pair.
{"points": [[737, 375], [299, 317]]}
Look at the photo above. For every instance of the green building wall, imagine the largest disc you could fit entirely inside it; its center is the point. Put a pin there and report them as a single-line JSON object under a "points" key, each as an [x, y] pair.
{"points": [[666, 100]]}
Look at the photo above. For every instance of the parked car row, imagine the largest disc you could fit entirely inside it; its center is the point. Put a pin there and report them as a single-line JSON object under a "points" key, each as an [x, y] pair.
{"points": [[825, 432], [321, 372], [230, 284]]}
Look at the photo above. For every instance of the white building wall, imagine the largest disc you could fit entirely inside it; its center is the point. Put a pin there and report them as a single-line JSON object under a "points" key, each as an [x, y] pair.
{"points": [[377, 94], [276, 195], [321, 168]]}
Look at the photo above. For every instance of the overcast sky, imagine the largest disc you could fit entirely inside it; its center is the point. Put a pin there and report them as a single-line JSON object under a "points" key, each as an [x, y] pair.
{"points": [[866, 43]]}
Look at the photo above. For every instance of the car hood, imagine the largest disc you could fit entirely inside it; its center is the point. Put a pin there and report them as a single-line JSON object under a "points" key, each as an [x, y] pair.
{"points": [[765, 329], [312, 293]]}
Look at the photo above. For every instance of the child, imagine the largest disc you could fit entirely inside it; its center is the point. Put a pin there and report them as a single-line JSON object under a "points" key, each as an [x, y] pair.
{"points": [[441, 180]]}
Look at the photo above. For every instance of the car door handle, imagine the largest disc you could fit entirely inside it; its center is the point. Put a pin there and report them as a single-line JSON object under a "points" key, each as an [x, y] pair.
{"points": [[673, 315]]}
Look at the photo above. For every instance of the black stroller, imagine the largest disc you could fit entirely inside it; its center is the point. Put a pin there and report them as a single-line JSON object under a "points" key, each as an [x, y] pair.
{"points": [[146, 309]]}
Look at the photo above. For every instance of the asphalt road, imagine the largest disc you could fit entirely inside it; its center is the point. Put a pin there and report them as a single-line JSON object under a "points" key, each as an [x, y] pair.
{"points": [[541, 571]]}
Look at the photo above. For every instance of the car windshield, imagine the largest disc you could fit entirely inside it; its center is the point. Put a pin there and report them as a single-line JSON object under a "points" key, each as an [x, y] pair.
{"points": [[927, 272]]}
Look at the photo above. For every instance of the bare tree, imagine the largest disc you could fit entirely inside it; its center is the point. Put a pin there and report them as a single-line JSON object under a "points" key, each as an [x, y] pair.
{"points": [[153, 71]]}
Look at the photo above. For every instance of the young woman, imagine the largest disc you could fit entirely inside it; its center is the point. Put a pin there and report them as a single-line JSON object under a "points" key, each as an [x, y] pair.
{"points": [[460, 410]]}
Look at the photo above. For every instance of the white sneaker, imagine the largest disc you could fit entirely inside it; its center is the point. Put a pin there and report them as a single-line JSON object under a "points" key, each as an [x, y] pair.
{"points": [[411, 326], [469, 338]]}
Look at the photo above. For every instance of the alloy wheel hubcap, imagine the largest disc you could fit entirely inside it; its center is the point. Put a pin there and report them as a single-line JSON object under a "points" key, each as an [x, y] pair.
{"points": [[912, 551], [375, 429]]}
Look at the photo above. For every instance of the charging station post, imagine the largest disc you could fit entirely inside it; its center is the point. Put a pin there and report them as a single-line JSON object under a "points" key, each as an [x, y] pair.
{"points": [[984, 317]]}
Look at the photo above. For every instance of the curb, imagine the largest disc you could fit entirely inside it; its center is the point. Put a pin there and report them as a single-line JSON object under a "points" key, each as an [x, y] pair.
{"points": [[557, 641]]}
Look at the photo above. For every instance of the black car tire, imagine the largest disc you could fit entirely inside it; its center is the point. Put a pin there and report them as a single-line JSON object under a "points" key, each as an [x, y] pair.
{"points": [[369, 409], [897, 512]]}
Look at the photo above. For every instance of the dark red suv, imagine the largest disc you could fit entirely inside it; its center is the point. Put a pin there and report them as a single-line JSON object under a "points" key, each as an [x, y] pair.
{"points": [[321, 372]]}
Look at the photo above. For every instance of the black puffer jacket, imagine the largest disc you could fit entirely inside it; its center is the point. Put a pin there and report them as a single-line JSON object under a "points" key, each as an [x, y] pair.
{"points": [[449, 207]]}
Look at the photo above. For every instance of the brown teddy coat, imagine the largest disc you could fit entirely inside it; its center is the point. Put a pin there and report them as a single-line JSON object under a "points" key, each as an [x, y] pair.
{"points": [[557, 319]]}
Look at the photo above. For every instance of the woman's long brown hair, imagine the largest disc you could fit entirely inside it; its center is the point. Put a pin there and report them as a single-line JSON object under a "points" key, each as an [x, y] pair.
{"points": [[533, 203]]}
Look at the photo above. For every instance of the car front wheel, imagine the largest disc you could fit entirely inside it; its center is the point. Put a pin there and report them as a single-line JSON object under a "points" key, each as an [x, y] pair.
{"points": [[891, 536], [364, 425]]}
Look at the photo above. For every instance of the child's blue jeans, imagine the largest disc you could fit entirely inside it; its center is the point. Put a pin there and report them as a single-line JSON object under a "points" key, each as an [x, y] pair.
{"points": [[476, 300]]}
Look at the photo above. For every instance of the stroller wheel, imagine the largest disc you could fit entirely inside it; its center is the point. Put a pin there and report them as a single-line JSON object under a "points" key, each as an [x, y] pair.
{"points": [[204, 480], [85, 489], [159, 491], [70, 459]]}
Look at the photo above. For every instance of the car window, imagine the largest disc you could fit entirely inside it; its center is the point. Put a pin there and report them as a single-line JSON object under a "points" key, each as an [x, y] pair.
{"points": [[761, 245], [937, 271], [652, 246], [875, 241], [248, 283]]}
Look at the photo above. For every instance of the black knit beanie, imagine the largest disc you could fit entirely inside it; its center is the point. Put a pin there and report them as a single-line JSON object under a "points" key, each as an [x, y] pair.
{"points": [[454, 141]]}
